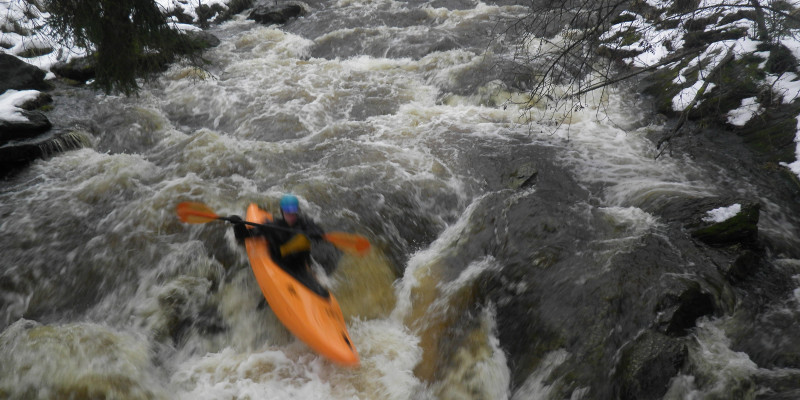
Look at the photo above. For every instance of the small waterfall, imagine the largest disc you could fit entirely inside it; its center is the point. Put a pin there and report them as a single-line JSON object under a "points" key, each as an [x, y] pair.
{"points": [[60, 143]]}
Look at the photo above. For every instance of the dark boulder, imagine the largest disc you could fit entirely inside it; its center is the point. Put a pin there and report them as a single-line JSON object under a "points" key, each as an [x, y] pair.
{"points": [[17, 154], [268, 15], [744, 266], [523, 177], [739, 229], [36, 123], [79, 69], [206, 13], [41, 101], [201, 39], [19, 75], [681, 306], [234, 7], [647, 364], [692, 214]]}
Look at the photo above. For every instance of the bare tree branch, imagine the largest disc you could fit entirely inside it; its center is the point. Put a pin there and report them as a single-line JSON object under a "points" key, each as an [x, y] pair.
{"points": [[620, 78], [685, 113]]}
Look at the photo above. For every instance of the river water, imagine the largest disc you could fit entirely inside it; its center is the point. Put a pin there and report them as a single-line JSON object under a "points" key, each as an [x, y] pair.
{"points": [[389, 119]]}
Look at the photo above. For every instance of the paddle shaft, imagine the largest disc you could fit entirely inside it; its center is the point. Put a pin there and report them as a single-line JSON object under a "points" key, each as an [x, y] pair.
{"points": [[261, 225], [198, 213]]}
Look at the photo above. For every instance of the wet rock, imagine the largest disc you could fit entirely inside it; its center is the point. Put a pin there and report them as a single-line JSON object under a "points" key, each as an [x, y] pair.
{"points": [[783, 386], [679, 309], [206, 13], [236, 7], [17, 154], [78, 69], [35, 123], [647, 365], [743, 267], [687, 211], [265, 14], [41, 101], [202, 39], [19, 75], [739, 229], [523, 177]]}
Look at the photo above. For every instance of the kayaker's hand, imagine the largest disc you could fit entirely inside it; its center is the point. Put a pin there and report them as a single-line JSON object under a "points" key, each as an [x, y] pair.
{"points": [[240, 231]]}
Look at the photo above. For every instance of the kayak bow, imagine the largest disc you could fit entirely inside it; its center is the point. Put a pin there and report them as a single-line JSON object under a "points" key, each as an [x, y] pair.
{"points": [[307, 309]]}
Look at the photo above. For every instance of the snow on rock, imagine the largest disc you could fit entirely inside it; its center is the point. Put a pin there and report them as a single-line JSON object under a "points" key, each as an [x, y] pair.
{"points": [[10, 103], [748, 110], [723, 213], [189, 7]]}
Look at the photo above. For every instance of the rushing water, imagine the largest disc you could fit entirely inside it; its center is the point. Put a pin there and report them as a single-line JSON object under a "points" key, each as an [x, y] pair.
{"points": [[387, 118]]}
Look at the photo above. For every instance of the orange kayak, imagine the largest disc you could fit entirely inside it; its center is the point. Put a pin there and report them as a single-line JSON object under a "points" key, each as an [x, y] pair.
{"points": [[306, 308]]}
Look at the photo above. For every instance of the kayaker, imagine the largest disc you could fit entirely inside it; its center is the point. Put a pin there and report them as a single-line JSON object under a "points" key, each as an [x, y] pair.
{"points": [[291, 246]]}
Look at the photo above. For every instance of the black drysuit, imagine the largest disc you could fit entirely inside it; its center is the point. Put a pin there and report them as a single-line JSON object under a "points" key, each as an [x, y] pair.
{"points": [[289, 246]]}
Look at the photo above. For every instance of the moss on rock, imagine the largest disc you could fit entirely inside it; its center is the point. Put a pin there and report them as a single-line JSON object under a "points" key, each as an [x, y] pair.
{"points": [[735, 81], [741, 228], [660, 84], [771, 135]]}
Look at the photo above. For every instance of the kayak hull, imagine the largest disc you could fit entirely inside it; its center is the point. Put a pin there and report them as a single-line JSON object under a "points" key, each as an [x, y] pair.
{"points": [[316, 320]]}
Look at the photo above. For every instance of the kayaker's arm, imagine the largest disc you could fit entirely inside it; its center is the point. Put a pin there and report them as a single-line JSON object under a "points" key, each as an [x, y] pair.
{"points": [[240, 230], [313, 231], [199, 213]]}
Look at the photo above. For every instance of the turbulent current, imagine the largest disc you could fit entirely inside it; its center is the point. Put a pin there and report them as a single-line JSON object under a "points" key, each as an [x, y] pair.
{"points": [[509, 260]]}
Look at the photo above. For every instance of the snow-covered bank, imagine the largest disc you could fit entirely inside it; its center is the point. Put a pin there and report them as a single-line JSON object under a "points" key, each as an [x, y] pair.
{"points": [[25, 35], [25, 32], [696, 77]]}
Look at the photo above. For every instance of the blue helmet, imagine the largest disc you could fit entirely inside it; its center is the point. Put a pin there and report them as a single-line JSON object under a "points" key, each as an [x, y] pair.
{"points": [[289, 204]]}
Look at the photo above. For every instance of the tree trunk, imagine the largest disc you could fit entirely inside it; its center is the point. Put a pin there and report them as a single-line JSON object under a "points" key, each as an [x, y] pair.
{"points": [[763, 33]]}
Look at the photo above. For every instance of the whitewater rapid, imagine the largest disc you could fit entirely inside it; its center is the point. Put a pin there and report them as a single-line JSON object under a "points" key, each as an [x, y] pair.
{"points": [[382, 117]]}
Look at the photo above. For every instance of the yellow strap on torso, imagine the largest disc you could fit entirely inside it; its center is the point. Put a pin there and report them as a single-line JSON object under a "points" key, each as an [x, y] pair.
{"points": [[296, 244]]}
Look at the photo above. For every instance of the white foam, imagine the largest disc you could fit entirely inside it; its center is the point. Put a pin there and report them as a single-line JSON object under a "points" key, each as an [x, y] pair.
{"points": [[421, 262], [77, 355], [538, 384], [718, 367], [622, 162]]}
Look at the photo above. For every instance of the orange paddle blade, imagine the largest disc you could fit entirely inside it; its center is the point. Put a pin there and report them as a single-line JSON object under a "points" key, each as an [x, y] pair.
{"points": [[195, 213], [350, 242]]}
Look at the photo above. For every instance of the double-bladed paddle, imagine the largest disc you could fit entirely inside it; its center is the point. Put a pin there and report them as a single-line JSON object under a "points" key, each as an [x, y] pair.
{"points": [[198, 213]]}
